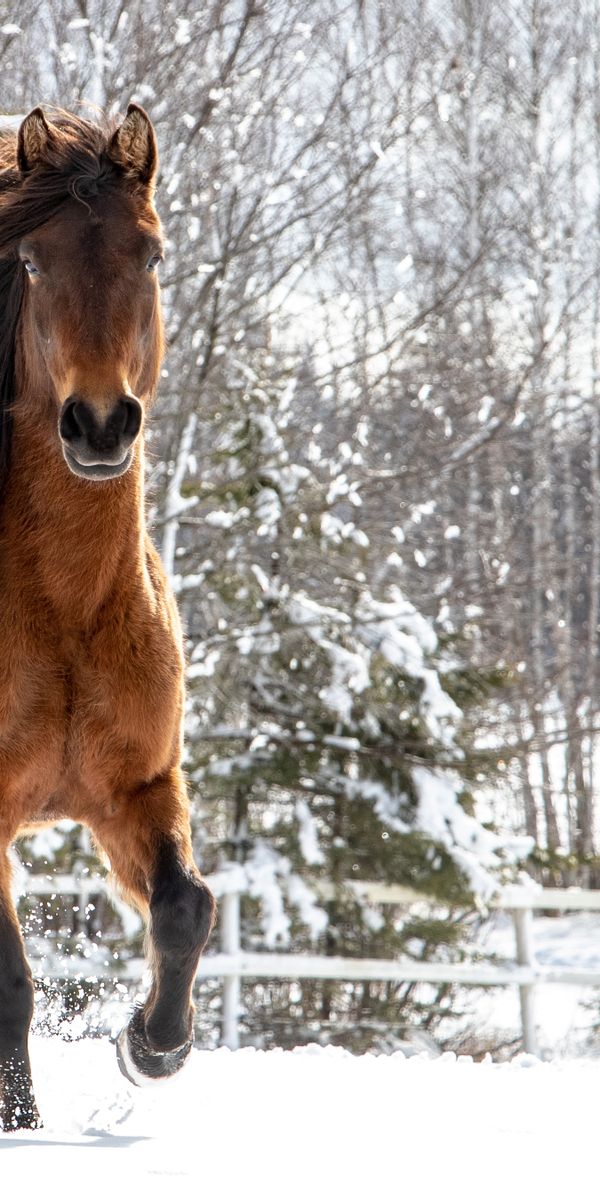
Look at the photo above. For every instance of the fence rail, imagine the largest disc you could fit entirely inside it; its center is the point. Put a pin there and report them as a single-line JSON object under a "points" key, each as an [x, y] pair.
{"points": [[232, 963]]}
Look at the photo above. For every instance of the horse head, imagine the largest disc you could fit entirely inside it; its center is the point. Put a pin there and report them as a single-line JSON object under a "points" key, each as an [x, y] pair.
{"points": [[90, 317]]}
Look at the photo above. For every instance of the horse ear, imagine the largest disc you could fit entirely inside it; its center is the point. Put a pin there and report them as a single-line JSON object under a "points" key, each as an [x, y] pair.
{"points": [[133, 146], [33, 140]]}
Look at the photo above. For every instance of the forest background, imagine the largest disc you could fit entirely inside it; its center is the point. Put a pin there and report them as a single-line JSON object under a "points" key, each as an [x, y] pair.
{"points": [[374, 459]]}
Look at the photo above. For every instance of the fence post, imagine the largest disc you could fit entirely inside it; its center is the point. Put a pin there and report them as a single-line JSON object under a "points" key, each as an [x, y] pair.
{"points": [[230, 944], [523, 919]]}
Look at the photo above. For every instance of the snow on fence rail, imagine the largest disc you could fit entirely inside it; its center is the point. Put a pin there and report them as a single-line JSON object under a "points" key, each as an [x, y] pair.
{"points": [[232, 963]]}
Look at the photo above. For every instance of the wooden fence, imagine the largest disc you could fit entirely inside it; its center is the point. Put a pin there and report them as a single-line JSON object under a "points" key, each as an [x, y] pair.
{"points": [[232, 963]]}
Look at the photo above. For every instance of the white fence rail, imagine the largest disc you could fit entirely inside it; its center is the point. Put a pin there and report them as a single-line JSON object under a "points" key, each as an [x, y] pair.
{"points": [[232, 963]]}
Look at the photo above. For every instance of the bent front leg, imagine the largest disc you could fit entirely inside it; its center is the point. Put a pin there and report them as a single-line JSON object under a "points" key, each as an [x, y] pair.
{"points": [[159, 1036], [181, 917], [17, 1104], [153, 861]]}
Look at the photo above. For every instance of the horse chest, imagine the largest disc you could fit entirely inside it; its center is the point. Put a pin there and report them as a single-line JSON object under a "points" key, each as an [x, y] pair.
{"points": [[88, 717], [122, 709], [129, 710]]}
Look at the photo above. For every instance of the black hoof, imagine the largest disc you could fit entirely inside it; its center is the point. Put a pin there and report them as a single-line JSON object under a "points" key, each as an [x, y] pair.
{"points": [[139, 1063], [26, 1117], [18, 1109]]}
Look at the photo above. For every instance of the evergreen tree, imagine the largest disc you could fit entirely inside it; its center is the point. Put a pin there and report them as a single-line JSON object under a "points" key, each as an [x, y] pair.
{"points": [[325, 737]]}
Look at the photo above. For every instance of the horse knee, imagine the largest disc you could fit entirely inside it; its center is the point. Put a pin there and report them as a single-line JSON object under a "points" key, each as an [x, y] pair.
{"points": [[182, 912]]}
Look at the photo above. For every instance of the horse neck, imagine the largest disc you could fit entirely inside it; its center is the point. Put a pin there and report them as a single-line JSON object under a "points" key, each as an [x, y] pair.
{"points": [[77, 544]]}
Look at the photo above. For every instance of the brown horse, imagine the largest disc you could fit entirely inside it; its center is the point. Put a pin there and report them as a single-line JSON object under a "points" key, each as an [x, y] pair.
{"points": [[91, 666]]}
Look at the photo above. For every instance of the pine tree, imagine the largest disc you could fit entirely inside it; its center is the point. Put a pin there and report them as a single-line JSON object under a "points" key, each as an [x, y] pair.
{"points": [[325, 738]]}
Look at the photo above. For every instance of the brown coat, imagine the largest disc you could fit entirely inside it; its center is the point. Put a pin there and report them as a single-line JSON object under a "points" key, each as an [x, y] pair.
{"points": [[91, 661]]}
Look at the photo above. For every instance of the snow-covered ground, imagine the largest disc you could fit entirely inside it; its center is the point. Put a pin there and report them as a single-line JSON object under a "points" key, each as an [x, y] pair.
{"points": [[315, 1123], [329, 1125]]}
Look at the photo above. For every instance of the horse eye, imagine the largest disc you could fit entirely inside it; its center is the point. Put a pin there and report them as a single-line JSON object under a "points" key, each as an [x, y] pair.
{"points": [[30, 267], [153, 262]]}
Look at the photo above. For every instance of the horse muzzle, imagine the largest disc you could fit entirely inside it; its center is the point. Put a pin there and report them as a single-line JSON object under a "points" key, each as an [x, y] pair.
{"points": [[99, 449]]}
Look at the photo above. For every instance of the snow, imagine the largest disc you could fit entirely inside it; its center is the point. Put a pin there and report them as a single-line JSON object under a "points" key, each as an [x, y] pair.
{"points": [[264, 874], [349, 674], [337, 531], [474, 849], [267, 507], [387, 805], [311, 915], [314, 1121], [565, 1014], [308, 835], [182, 31], [221, 519]]}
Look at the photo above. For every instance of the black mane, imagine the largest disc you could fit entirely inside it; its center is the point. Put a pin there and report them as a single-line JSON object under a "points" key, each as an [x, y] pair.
{"points": [[11, 295]]}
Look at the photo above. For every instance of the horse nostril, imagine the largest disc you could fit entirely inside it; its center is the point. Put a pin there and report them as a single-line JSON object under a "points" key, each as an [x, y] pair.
{"points": [[132, 416], [72, 425]]}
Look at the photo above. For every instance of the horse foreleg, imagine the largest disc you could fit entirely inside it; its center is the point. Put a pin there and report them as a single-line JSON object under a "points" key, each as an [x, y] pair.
{"points": [[17, 1104], [151, 857]]}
